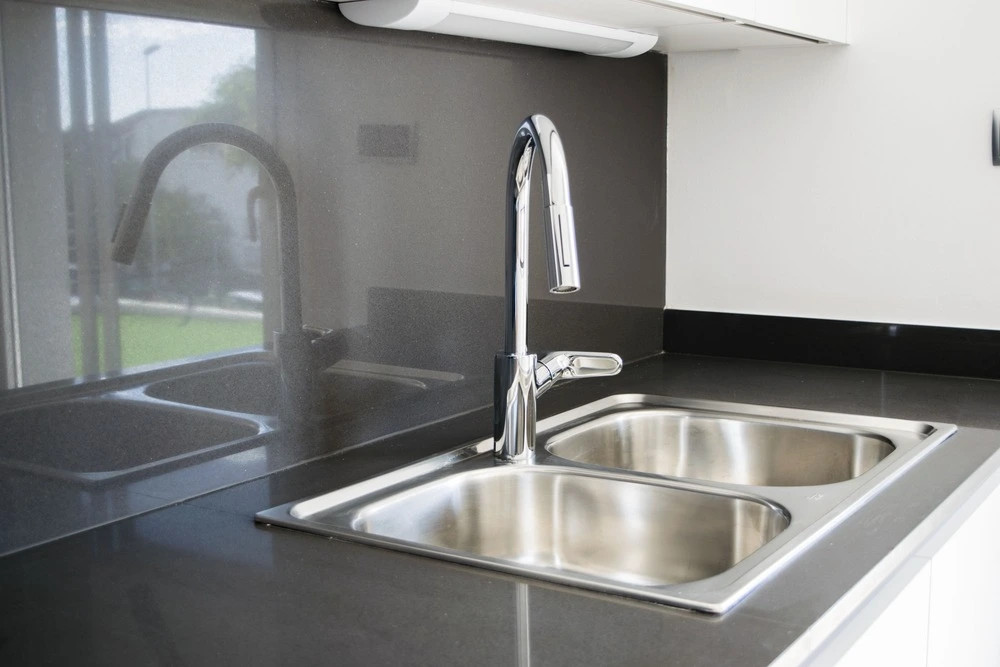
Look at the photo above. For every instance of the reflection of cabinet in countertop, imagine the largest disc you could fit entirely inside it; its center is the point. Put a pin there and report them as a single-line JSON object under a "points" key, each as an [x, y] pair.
{"points": [[688, 25]]}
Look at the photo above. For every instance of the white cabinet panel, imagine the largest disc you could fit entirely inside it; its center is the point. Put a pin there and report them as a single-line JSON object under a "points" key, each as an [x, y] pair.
{"points": [[948, 615], [737, 9], [721, 36], [688, 25], [898, 636], [823, 19], [636, 14], [965, 593]]}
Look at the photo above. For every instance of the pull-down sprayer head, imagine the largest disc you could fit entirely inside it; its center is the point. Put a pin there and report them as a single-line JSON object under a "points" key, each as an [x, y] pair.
{"points": [[537, 133]]}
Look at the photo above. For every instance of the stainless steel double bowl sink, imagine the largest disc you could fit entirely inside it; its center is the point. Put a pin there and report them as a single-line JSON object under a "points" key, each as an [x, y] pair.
{"points": [[689, 503]]}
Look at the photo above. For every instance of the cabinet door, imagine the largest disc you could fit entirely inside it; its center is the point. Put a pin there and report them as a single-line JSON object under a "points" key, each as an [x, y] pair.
{"points": [[638, 14], [721, 36], [965, 593], [822, 19], [736, 9], [899, 635]]}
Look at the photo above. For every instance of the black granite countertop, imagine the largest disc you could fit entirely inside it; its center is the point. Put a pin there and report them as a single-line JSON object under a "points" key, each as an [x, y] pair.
{"points": [[199, 583]]}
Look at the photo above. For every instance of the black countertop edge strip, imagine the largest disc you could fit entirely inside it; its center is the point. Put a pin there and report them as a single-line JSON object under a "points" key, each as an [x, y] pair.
{"points": [[872, 345]]}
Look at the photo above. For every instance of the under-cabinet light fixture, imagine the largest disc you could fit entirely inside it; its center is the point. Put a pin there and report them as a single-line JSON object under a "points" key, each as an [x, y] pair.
{"points": [[466, 19]]}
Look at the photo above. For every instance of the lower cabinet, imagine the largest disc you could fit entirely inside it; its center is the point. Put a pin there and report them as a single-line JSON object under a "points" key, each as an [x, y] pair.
{"points": [[964, 620], [898, 637], [948, 615]]}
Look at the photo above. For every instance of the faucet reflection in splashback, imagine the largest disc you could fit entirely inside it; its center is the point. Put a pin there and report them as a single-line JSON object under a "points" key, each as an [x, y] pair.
{"points": [[294, 343], [519, 377]]}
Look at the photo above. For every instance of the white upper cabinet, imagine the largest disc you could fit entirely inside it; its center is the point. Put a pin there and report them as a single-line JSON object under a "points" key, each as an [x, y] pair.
{"points": [[634, 14], [735, 9], [722, 36], [589, 25], [825, 20], [705, 25]]}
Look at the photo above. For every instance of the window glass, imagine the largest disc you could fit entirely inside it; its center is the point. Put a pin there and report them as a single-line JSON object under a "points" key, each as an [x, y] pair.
{"points": [[120, 84]]}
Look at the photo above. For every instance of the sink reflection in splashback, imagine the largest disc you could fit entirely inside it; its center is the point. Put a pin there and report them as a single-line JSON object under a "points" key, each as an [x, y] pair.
{"points": [[103, 438], [342, 389]]}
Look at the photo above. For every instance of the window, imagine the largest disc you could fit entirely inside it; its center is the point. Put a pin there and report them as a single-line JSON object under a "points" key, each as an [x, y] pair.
{"points": [[87, 94]]}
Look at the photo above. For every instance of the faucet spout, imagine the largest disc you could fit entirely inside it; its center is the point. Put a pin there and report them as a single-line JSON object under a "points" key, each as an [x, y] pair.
{"points": [[292, 343], [518, 376], [537, 134]]}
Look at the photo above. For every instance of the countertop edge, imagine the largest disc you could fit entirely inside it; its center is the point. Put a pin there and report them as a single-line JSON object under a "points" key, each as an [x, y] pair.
{"points": [[839, 628]]}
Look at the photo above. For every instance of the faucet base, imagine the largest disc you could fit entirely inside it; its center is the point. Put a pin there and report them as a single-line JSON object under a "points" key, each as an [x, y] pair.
{"points": [[514, 407]]}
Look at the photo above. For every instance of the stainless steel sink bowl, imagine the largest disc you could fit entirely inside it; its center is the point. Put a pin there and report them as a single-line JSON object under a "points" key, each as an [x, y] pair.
{"points": [[720, 448], [576, 521], [702, 544], [95, 439]]}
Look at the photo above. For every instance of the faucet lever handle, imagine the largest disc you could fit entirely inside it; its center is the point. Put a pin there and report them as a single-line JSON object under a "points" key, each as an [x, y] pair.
{"points": [[573, 365]]}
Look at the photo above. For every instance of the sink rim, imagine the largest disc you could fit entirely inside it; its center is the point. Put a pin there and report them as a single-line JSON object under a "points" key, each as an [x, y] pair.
{"points": [[814, 510]]}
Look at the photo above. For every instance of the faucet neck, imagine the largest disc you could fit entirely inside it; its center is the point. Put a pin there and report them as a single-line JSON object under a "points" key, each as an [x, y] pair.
{"points": [[516, 242], [536, 135], [515, 372]]}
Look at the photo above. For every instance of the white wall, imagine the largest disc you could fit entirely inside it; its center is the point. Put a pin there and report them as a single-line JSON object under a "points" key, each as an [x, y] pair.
{"points": [[843, 183]]}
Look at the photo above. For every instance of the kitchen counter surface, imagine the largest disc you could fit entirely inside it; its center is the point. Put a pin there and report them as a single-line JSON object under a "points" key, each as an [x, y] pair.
{"points": [[199, 583]]}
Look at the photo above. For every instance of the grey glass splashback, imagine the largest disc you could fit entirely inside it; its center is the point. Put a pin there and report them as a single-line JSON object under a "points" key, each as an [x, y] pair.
{"points": [[397, 143], [398, 148]]}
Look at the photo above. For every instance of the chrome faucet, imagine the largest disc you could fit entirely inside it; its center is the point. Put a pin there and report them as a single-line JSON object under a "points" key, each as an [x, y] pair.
{"points": [[293, 344], [519, 378]]}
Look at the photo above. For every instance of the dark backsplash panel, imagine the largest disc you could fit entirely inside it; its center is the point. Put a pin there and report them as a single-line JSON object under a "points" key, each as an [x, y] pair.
{"points": [[450, 331], [398, 145], [405, 243], [895, 347]]}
